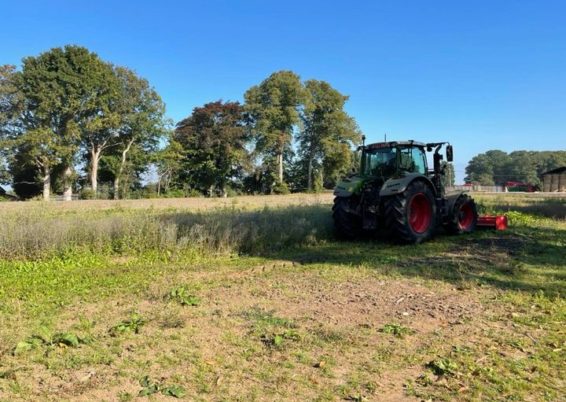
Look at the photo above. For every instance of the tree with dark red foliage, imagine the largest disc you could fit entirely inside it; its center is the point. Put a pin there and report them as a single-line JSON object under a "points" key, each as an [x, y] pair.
{"points": [[214, 139]]}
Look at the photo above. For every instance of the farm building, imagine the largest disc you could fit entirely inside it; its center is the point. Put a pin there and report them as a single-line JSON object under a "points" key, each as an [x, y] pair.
{"points": [[554, 180]]}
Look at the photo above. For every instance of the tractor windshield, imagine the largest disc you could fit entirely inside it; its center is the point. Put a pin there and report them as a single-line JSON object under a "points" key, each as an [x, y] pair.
{"points": [[390, 161], [379, 162]]}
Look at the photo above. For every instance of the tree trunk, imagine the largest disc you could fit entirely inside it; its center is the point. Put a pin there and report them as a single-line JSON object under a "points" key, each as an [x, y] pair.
{"points": [[67, 184], [46, 179], [280, 162], [117, 188], [121, 170], [309, 182], [94, 160]]}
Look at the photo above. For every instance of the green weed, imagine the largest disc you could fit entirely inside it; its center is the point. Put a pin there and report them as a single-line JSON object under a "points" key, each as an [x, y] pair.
{"points": [[397, 329], [149, 388], [184, 296], [60, 339], [278, 340], [133, 324], [443, 366]]}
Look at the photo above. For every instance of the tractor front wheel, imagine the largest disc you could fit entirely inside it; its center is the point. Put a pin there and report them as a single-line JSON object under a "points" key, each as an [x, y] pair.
{"points": [[463, 217], [346, 224], [410, 216]]}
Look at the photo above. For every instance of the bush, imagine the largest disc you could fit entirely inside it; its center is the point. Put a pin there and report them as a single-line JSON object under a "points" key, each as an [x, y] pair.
{"points": [[87, 194], [281, 188], [175, 193]]}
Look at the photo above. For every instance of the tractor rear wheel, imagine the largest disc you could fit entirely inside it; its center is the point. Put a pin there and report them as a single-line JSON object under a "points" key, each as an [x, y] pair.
{"points": [[463, 217], [346, 224], [410, 216]]}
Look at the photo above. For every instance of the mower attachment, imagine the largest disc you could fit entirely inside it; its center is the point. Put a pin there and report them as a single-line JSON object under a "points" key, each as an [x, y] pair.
{"points": [[498, 222]]}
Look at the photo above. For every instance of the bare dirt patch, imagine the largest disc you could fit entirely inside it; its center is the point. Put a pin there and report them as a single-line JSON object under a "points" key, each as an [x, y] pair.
{"points": [[331, 339]]}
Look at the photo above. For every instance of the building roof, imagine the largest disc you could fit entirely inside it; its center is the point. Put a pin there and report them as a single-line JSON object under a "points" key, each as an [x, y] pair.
{"points": [[557, 170]]}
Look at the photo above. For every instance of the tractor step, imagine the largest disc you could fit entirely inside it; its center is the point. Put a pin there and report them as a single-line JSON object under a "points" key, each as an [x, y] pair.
{"points": [[497, 222]]}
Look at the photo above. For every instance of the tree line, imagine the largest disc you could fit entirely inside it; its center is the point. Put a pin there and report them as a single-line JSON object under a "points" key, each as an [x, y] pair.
{"points": [[497, 167], [70, 121]]}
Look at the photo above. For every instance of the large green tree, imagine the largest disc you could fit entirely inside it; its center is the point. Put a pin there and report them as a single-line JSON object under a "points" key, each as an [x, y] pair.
{"points": [[140, 127], [328, 134], [169, 163], [99, 125], [274, 106], [498, 167], [10, 107], [61, 90], [214, 140]]}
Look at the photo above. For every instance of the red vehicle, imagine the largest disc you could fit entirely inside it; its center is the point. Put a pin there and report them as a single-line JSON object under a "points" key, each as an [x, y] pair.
{"points": [[518, 186]]}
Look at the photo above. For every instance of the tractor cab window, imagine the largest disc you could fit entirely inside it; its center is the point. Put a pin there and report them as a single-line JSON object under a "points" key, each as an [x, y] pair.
{"points": [[380, 162], [412, 159]]}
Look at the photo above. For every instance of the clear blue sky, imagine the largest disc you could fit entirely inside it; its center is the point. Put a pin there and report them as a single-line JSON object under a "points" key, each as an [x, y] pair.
{"points": [[481, 74]]}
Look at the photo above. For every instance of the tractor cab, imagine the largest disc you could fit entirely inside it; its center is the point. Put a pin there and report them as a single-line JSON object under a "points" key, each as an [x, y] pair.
{"points": [[393, 159]]}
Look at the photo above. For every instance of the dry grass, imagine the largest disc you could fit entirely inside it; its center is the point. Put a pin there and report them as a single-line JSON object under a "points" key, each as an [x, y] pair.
{"points": [[550, 205], [186, 204], [45, 232]]}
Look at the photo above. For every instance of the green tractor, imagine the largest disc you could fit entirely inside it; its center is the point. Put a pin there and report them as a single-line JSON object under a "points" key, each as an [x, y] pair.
{"points": [[394, 191]]}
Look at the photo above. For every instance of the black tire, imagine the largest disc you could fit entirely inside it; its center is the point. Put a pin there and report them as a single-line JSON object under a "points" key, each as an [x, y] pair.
{"points": [[346, 225], [410, 217], [463, 217]]}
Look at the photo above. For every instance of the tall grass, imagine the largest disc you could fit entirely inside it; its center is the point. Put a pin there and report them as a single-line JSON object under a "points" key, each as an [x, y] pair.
{"points": [[554, 208], [36, 233]]}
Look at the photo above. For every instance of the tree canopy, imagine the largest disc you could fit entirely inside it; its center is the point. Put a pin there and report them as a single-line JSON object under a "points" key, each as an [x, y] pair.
{"points": [[66, 109], [274, 106], [213, 140], [497, 167], [328, 135]]}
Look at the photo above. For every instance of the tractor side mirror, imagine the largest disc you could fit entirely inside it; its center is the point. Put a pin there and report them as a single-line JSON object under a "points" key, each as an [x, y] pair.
{"points": [[449, 153]]}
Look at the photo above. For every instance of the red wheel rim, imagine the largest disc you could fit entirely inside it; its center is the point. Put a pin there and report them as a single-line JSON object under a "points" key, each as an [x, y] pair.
{"points": [[420, 213], [465, 216]]}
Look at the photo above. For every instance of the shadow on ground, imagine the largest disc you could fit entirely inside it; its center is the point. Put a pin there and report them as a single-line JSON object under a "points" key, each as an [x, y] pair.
{"points": [[516, 259], [527, 258]]}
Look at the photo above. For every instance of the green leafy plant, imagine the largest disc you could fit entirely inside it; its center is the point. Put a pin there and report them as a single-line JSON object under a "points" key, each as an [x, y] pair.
{"points": [[133, 324], [175, 391], [397, 329], [443, 366], [30, 343], [62, 339], [184, 296], [149, 388], [277, 340]]}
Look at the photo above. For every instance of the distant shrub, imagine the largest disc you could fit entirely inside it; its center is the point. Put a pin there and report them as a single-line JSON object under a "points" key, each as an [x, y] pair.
{"points": [[281, 188], [192, 193], [87, 194], [175, 193]]}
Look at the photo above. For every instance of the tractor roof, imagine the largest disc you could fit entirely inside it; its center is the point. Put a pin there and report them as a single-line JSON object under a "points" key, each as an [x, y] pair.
{"points": [[390, 144]]}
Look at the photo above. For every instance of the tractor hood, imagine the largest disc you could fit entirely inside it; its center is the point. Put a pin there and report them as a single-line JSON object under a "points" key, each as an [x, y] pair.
{"points": [[349, 186]]}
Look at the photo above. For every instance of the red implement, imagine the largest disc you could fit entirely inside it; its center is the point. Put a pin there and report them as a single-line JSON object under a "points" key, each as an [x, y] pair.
{"points": [[498, 222]]}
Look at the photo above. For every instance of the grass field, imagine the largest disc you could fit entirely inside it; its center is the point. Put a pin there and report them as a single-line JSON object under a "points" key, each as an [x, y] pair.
{"points": [[252, 298]]}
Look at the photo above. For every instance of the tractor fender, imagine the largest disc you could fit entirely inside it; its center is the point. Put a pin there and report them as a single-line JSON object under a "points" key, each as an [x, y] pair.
{"points": [[349, 186], [451, 199], [397, 186]]}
